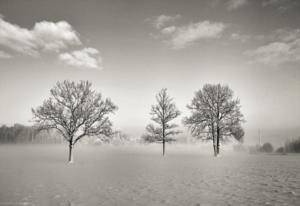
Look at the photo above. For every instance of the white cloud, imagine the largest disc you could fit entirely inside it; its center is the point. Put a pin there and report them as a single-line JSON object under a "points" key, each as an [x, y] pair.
{"points": [[229, 4], [185, 35], [235, 4], [88, 58], [272, 54], [287, 35], [240, 37], [17, 38], [168, 30], [285, 49], [55, 36], [162, 20], [4, 55], [47, 36], [282, 5], [178, 37]]}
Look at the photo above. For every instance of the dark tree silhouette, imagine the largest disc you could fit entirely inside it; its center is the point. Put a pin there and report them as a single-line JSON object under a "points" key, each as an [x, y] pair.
{"points": [[76, 111], [267, 147], [292, 145], [162, 113], [215, 115]]}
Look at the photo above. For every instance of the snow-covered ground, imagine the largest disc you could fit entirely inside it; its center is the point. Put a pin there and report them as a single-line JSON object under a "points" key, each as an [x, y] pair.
{"points": [[139, 175]]}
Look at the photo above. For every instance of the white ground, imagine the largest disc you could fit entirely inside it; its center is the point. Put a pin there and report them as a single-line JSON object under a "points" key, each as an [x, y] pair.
{"points": [[107, 175]]}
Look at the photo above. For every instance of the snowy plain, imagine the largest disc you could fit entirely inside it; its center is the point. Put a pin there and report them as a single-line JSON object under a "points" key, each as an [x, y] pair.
{"points": [[138, 175]]}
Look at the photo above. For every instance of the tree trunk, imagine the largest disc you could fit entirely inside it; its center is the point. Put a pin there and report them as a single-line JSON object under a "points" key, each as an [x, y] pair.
{"points": [[70, 160], [218, 140], [214, 140], [218, 146], [215, 147], [164, 147], [164, 140]]}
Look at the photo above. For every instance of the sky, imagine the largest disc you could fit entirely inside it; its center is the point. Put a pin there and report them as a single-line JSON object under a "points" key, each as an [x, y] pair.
{"points": [[130, 49]]}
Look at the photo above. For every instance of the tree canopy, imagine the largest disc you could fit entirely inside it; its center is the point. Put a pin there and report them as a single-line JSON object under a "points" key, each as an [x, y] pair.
{"points": [[162, 114], [215, 115], [76, 111]]}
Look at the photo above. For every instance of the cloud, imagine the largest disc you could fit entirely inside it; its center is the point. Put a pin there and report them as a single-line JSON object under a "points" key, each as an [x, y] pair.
{"points": [[55, 36], [240, 37], [282, 5], [44, 36], [4, 55], [88, 58], [235, 4], [228, 4], [287, 35], [168, 30], [285, 49], [160, 21], [183, 36], [272, 2], [179, 37], [272, 54]]}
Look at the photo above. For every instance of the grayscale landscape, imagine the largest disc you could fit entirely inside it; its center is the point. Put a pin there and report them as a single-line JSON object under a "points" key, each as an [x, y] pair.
{"points": [[149, 102], [38, 175]]}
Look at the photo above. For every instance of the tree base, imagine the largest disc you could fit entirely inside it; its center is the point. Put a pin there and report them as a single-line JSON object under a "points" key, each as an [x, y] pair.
{"points": [[71, 162]]}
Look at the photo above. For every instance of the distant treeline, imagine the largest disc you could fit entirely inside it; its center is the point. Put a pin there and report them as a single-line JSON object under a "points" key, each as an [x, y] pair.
{"points": [[19, 133], [27, 134], [292, 146]]}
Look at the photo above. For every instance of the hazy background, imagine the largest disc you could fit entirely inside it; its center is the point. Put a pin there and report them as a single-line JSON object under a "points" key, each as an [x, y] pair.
{"points": [[141, 46]]}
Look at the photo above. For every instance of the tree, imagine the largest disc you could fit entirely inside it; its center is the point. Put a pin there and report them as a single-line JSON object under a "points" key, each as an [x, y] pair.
{"points": [[215, 115], [280, 150], [153, 134], [292, 145], [76, 111], [162, 113], [267, 147]]}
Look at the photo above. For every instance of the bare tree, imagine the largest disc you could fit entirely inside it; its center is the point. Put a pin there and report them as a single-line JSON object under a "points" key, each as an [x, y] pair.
{"points": [[153, 134], [215, 115], [162, 113], [76, 111]]}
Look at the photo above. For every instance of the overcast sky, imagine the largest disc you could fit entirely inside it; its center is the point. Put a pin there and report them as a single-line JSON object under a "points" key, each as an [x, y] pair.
{"points": [[130, 49]]}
